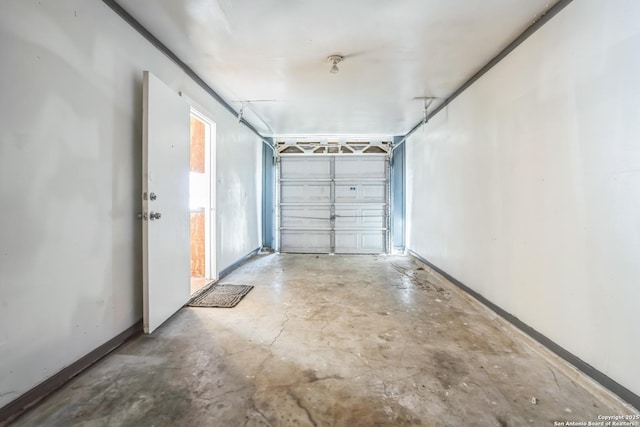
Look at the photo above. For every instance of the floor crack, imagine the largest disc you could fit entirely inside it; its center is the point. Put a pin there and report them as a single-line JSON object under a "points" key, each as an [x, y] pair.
{"points": [[258, 411], [284, 323], [218, 396], [555, 378], [301, 406]]}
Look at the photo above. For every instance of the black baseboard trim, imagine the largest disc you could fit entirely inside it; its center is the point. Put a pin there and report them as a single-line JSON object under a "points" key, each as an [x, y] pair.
{"points": [[15, 408], [613, 386], [237, 264]]}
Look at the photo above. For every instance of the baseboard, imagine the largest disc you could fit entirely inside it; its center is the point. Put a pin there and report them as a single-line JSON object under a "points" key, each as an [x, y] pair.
{"points": [[610, 384], [42, 390], [237, 264]]}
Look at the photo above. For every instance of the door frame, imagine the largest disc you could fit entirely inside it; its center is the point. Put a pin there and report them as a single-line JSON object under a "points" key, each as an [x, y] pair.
{"points": [[210, 217]]}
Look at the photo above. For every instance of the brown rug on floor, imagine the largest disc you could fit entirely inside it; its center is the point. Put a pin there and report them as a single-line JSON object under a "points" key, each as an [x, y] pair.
{"points": [[224, 296]]}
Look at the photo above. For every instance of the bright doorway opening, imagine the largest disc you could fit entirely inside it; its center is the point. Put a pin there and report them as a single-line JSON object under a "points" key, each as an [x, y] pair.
{"points": [[202, 201]]}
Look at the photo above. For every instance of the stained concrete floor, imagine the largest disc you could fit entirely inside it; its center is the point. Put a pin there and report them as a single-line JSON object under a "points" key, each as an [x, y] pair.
{"points": [[330, 341]]}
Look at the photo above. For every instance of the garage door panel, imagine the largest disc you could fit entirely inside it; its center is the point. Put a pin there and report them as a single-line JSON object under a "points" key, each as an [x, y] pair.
{"points": [[296, 192], [305, 217], [360, 242], [373, 218], [361, 167], [305, 241], [306, 168], [347, 217], [360, 193], [360, 217], [373, 193]]}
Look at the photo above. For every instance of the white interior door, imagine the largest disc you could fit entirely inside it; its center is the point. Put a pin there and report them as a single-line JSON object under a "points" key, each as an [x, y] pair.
{"points": [[165, 186]]}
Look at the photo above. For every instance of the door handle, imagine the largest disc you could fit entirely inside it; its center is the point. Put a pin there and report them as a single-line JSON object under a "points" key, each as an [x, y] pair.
{"points": [[154, 215]]}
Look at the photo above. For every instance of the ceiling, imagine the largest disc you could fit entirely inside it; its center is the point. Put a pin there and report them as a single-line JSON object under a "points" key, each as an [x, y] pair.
{"points": [[271, 55]]}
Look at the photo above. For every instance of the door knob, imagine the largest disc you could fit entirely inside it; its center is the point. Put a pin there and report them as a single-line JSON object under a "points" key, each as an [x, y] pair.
{"points": [[154, 215]]}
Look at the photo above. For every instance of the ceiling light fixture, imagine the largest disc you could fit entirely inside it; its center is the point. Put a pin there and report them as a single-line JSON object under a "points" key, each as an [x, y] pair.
{"points": [[335, 59]]}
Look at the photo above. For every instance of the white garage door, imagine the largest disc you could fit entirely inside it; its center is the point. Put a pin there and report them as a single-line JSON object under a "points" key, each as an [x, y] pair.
{"points": [[333, 204]]}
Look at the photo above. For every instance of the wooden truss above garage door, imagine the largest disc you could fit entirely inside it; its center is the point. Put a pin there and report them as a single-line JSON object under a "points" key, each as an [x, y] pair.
{"points": [[333, 145]]}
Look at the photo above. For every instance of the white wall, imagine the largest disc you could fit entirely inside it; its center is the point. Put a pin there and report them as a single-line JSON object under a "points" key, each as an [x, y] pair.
{"points": [[239, 188], [527, 188], [70, 156]]}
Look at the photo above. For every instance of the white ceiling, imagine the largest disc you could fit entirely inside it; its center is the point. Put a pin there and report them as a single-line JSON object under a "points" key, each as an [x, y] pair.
{"points": [[395, 50]]}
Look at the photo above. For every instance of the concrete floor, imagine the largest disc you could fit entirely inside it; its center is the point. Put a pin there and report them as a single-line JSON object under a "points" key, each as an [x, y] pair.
{"points": [[330, 341]]}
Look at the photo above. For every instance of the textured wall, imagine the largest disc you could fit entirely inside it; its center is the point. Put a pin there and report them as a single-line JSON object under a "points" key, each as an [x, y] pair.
{"points": [[527, 187], [70, 243]]}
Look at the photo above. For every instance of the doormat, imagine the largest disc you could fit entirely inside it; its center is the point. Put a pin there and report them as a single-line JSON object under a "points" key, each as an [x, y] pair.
{"points": [[223, 296]]}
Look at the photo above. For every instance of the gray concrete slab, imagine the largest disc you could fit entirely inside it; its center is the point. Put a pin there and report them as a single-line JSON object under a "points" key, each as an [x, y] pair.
{"points": [[331, 341]]}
